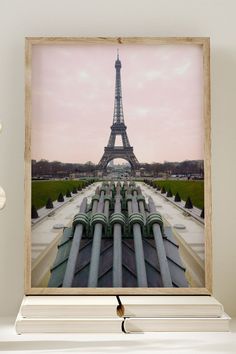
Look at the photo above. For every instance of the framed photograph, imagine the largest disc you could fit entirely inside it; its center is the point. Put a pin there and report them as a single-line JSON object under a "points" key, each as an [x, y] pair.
{"points": [[117, 166]]}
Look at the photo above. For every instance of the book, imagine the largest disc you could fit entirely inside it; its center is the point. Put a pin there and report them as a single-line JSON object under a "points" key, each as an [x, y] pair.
{"points": [[184, 324], [111, 314], [170, 306], [68, 306], [119, 325], [131, 306], [68, 325]]}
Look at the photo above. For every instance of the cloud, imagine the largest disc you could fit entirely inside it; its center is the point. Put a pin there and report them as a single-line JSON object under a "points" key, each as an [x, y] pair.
{"points": [[83, 75], [154, 74], [141, 111], [182, 69]]}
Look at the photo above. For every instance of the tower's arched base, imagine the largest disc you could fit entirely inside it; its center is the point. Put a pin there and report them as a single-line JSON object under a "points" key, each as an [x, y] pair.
{"points": [[118, 152]]}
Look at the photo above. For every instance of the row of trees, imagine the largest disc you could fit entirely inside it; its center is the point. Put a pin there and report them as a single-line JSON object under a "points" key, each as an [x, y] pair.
{"points": [[58, 169], [177, 168]]}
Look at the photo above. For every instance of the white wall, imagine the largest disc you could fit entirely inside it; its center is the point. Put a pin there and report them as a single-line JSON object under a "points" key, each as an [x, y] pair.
{"points": [[214, 18]]}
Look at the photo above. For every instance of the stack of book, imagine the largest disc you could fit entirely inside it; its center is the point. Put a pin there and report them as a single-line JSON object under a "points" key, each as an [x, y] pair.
{"points": [[111, 314]]}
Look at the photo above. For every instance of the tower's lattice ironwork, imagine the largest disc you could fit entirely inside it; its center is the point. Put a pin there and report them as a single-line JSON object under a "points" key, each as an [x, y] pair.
{"points": [[118, 128]]}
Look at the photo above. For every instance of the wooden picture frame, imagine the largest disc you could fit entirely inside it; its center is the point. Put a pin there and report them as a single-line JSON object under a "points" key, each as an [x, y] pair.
{"points": [[51, 41]]}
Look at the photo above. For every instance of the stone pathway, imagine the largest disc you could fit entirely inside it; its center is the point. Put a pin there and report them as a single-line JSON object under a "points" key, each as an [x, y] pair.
{"points": [[43, 229]]}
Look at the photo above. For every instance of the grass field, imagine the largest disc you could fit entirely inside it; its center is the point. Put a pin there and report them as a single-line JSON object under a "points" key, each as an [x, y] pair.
{"points": [[42, 190], [192, 189]]}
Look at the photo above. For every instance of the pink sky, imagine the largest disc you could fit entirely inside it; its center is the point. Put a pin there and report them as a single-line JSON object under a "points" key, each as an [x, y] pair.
{"points": [[73, 100]]}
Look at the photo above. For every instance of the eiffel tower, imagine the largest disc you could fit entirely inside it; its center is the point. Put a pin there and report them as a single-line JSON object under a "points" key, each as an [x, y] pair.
{"points": [[118, 128]]}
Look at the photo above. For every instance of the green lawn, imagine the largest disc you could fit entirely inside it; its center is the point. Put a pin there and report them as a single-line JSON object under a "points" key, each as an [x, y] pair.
{"points": [[42, 190], [192, 189]]}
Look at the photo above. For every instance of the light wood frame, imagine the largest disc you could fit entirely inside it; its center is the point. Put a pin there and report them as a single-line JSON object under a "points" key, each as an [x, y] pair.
{"points": [[202, 41]]}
